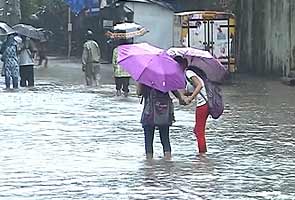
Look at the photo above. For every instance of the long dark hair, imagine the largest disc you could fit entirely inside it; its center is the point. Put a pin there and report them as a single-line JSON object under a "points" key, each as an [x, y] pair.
{"points": [[181, 60], [198, 71]]}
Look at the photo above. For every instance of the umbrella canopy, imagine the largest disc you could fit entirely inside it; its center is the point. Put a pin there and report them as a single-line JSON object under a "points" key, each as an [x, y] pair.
{"points": [[5, 29], [214, 70], [126, 31], [151, 66], [46, 34], [29, 31]]}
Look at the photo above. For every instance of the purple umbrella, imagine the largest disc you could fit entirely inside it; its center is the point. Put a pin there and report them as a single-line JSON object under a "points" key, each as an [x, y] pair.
{"points": [[151, 66], [214, 70]]}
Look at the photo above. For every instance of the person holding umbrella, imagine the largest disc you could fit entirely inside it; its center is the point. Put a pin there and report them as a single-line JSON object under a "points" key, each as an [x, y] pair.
{"points": [[26, 62], [158, 112], [157, 74], [121, 76], [10, 60]]}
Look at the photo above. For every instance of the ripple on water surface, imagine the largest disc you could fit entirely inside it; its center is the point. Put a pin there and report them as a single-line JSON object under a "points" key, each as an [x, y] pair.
{"points": [[70, 142]]}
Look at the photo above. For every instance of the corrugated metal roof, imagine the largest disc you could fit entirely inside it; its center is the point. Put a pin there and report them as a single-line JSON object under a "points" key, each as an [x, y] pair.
{"points": [[158, 2]]}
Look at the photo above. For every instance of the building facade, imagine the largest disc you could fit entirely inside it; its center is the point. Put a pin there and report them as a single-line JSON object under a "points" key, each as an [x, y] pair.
{"points": [[266, 36], [157, 18]]}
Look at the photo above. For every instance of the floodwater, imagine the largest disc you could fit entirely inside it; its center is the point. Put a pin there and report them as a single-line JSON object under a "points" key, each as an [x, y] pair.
{"points": [[62, 140]]}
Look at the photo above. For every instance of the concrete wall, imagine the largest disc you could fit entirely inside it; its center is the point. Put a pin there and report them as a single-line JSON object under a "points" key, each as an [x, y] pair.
{"points": [[157, 19], [266, 36]]}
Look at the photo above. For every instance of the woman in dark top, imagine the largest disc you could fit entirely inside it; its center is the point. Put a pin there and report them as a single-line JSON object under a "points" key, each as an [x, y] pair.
{"points": [[158, 112]]}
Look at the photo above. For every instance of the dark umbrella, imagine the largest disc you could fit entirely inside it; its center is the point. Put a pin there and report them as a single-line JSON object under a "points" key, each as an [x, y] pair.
{"points": [[5, 29], [126, 31], [46, 34], [29, 31]]}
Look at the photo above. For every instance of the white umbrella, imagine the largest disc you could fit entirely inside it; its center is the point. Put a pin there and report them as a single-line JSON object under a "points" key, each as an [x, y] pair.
{"points": [[5, 29], [126, 31], [29, 31]]}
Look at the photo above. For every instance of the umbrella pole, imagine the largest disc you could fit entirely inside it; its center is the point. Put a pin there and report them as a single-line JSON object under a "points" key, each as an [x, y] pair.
{"points": [[69, 33]]}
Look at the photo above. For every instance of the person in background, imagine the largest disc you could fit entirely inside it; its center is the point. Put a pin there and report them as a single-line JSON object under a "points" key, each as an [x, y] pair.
{"points": [[2, 49], [26, 63], [91, 60], [42, 52], [10, 60], [121, 76]]}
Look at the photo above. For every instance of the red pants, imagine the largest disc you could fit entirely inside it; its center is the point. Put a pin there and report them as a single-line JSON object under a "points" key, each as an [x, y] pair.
{"points": [[201, 116]]}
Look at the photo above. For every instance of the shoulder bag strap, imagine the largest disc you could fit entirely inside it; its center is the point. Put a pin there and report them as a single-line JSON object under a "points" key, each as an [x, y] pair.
{"points": [[190, 81], [203, 96]]}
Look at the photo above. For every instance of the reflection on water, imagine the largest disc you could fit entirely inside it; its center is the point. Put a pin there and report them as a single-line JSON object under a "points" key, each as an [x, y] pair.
{"points": [[60, 141]]}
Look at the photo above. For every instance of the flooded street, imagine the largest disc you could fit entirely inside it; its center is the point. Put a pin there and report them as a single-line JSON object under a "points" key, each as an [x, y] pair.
{"points": [[62, 140]]}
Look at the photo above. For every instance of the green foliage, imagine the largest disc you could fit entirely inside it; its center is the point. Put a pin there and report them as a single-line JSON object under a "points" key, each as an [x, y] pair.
{"points": [[29, 7], [219, 5]]}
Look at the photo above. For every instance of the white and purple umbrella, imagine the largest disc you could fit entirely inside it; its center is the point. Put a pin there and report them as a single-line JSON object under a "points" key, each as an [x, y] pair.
{"points": [[214, 70], [151, 66], [126, 31]]}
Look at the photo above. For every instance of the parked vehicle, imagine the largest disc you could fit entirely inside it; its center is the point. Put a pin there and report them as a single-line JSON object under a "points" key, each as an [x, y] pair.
{"points": [[208, 30]]}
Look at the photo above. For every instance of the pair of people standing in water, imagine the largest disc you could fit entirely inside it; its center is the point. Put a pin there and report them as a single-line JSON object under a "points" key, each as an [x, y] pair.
{"points": [[163, 117], [18, 61]]}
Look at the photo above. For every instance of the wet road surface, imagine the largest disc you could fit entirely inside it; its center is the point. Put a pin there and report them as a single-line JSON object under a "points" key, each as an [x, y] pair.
{"points": [[63, 140]]}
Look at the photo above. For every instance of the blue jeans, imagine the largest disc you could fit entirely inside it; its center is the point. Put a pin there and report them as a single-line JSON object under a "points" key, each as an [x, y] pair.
{"points": [[149, 131]]}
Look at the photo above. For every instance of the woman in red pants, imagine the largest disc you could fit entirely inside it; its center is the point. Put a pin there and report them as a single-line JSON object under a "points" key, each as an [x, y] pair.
{"points": [[197, 91]]}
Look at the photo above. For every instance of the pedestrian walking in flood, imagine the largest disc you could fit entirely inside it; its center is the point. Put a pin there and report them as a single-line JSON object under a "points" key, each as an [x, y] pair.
{"points": [[91, 60], [10, 61], [158, 111], [26, 62], [121, 76], [42, 53], [157, 74]]}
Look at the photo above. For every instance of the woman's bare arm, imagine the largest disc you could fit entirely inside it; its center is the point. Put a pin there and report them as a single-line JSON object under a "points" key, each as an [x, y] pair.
{"points": [[198, 86]]}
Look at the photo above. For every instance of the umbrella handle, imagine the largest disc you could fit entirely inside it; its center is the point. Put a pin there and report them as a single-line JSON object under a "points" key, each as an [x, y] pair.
{"points": [[141, 99]]}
